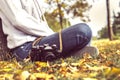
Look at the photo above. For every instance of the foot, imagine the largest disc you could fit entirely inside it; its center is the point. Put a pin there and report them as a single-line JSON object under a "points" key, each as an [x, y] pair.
{"points": [[93, 51]]}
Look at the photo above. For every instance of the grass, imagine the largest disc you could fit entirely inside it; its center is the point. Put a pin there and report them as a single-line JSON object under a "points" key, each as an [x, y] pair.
{"points": [[105, 67]]}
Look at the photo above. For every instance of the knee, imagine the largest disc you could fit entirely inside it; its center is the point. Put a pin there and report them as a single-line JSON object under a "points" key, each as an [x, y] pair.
{"points": [[83, 30]]}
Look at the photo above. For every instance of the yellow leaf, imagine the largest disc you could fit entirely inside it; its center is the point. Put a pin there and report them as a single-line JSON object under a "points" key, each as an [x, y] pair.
{"points": [[78, 63], [64, 64], [41, 76], [7, 76], [6, 70], [24, 75], [89, 79], [93, 74], [95, 68], [112, 70], [41, 64], [73, 69]]}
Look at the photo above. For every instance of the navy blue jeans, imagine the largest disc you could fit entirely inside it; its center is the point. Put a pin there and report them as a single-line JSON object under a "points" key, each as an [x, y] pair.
{"points": [[74, 38]]}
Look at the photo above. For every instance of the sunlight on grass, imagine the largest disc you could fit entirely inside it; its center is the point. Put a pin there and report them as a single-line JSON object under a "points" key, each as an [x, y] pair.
{"points": [[105, 67]]}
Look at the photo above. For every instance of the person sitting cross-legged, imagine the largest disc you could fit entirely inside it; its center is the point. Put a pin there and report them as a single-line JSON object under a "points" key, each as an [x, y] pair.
{"points": [[26, 30]]}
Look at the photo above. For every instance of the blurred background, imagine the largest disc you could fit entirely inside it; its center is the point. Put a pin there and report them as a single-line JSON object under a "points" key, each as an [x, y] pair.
{"points": [[103, 16]]}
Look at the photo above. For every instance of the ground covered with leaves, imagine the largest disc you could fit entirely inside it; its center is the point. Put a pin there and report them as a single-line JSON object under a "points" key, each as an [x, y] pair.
{"points": [[105, 67]]}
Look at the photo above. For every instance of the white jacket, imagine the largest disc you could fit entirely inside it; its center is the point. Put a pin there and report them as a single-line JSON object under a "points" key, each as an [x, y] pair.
{"points": [[22, 21]]}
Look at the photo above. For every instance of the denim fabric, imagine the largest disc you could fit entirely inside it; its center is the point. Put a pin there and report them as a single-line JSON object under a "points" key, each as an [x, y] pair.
{"points": [[23, 51], [73, 38]]}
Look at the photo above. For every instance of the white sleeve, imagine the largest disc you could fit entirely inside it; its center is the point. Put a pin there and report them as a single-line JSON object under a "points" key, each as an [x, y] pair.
{"points": [[21, 20]]}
